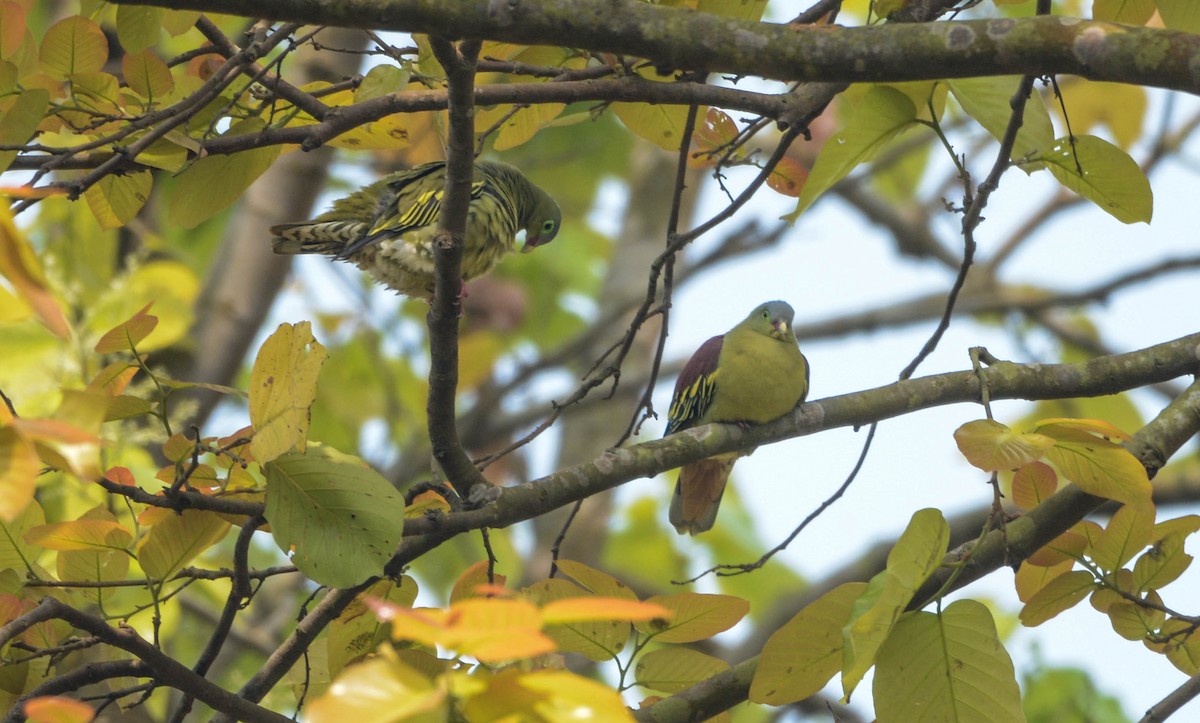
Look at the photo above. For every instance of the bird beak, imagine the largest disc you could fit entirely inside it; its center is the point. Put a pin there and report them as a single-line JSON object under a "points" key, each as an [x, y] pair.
{"points": [[781, 328], [531, 242]]}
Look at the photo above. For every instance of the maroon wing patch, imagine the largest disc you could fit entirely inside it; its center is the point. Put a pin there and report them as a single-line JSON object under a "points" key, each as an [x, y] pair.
{"points": [[695, 387]]}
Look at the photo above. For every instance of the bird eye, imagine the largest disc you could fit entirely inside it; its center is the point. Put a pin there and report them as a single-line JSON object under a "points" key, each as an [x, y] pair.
{"points": [[548, 226], [766, 314]]}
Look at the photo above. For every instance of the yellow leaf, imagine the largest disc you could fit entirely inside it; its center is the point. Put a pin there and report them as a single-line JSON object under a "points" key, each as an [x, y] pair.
{"points": [[595, 640], [1067, 546], [283, 385], [380, 690], [802, 655], [91, 535], [1137, 622], [1096, 426], [992, 446], [584, 609], [694, 616], [1097, 466], [116, 199], [1032, 578], [545, 695]]}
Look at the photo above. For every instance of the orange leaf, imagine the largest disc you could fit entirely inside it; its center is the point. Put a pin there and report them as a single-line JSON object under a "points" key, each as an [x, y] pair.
{"points": [[467, 585], [1095, 426], [56, 709], [126, 335], [20, 266], [788, 177], [1032, 484]]}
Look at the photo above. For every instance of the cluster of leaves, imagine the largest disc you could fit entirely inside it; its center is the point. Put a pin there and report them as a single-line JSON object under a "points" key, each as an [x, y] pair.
{"points": [[1088, 454], [505, 647]]}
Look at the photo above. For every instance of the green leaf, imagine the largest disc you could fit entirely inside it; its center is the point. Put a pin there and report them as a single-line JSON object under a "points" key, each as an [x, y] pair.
{"points": [[1180, 14], [947, 667], [670, 670], [283, 385], [1129, 531], [880, 116], [1126, 12], [381, 80], [115, 200], [1110, 178], [15, 552], [1098, 466], [697, 616], [20, 120], [1166, 560], [139, 26], [917, 553], [1061, 593], [802, 655], [594, 640], [1067, 694], [73, 45], [213, 182], [741, 9], [988, 100], [147, 74], [338, 519], [177, 539]]}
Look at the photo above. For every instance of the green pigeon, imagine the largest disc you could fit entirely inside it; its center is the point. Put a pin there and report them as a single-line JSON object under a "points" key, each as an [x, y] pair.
{"points": [[752, 374], [387, 228]]}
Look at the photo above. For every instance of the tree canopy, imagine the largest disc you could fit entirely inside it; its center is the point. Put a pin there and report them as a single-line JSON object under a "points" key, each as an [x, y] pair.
{"points": [[232, 485]]}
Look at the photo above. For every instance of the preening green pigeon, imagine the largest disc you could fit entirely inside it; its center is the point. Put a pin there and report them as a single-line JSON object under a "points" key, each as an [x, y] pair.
{"points": [[387, 228], [750, 375]]}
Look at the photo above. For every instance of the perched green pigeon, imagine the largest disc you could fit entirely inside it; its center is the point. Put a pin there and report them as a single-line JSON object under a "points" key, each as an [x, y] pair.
{"points": [[750, 375], [387, 228]]}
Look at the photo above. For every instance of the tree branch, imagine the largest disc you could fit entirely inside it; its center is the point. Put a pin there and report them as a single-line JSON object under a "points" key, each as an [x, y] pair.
{"points": [[687, 40], [1006, 380]]}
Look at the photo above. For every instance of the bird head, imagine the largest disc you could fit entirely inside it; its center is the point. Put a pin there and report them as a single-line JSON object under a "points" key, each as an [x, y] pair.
{"points": [[541, 221], [774, 318]]}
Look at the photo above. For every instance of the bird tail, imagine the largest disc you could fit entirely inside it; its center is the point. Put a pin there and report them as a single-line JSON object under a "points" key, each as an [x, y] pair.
{"points": [[698, 494], [324, 237]]}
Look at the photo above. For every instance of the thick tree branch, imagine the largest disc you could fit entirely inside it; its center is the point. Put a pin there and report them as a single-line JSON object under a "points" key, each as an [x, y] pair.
{"points": [[1006, 380], [686, 40]]}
